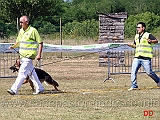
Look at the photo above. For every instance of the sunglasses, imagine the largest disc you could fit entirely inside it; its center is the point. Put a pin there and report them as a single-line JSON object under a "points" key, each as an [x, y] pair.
{"points": [[21, 22], [137, 27]]}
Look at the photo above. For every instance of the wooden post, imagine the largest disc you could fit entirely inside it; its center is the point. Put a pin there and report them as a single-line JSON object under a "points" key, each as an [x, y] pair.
{"points": [[17, 25], [61, 33]]}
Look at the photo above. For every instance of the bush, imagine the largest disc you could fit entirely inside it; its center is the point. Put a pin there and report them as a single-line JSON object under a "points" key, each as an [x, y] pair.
{"points": [[44, 27], [152, 22], [6, 30], [88, 29], [48, 28]]}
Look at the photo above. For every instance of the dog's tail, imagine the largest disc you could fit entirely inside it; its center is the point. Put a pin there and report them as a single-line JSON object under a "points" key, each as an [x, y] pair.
{"points": [[49, 80], [54, 82]]}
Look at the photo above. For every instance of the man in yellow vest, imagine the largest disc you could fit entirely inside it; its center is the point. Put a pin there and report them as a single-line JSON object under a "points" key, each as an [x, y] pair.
{"points": [[28, 41], [143, 45]]}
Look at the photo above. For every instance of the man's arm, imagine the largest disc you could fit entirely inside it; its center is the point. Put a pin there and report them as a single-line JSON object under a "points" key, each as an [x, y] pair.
{"points": [[14, 46], [38, 57], [152, 39], [155, 41], [132, 44]]}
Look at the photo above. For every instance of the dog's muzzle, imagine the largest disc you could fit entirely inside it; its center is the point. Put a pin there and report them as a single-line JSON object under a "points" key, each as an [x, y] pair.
{"points": [[14, 69]]}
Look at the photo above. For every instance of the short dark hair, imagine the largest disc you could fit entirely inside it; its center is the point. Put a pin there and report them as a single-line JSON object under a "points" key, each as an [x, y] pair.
{"points": [[142, 23]]}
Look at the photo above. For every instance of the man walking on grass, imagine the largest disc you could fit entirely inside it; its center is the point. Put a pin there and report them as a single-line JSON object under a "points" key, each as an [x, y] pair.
{"points": [[28, 41], [143, 45]]}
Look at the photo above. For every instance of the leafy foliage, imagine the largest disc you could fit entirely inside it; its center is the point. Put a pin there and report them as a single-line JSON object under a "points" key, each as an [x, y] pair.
{"points": [[151, 20], [47, 28], [88, 28], [6, 29], [12, 9], [79, 17]]}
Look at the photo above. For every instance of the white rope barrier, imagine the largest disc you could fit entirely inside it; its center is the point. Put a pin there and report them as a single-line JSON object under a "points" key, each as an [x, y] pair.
{"points": [[79, 48]]}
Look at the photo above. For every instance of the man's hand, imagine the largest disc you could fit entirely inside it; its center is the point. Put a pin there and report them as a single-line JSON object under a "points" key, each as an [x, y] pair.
{"points": [[152, 41], [131, 45], [10, 47], [149, 40], [38, 57]]}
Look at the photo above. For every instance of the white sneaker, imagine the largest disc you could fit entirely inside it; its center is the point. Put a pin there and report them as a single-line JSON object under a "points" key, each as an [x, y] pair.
{"points": [[11, 92], [158, 84], [132, 89], [40, 92]]}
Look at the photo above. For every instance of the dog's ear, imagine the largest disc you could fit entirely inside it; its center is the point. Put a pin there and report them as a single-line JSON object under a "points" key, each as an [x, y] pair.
{"points": [[10, 67], [14, 69], [18, 63]]}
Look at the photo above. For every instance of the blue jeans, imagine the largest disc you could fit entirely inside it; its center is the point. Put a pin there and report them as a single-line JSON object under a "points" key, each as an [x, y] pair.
{"points": [[147, 67]]}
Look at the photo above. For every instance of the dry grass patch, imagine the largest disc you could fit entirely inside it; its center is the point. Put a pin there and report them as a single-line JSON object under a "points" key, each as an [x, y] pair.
{"points": [[83, 95]]}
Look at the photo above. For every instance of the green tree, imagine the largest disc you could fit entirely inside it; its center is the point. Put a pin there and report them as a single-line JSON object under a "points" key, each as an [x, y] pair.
{"points": [[152, 22], [88, 29], [134, 7], [12, 9], [6, 29]]}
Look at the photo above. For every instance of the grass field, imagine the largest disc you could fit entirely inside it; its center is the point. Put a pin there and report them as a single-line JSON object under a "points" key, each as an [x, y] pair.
{"points": [[83, 95]]}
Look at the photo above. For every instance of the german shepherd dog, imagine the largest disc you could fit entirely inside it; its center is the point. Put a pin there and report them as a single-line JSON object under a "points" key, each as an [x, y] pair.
{"points": [[42, 75]]}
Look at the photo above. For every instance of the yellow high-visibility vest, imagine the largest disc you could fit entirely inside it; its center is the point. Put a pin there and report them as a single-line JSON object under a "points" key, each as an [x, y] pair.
{"points": [[143, 48], [28, 42]]}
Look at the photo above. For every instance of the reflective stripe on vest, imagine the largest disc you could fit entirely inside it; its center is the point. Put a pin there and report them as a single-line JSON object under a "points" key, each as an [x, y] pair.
{"points": [[23, 48], [142, 51], [28, 45], [143, 48], [28, 42]]}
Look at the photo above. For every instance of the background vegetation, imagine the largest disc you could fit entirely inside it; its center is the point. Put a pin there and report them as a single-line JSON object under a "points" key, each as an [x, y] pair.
{"points": [[79, 18]]}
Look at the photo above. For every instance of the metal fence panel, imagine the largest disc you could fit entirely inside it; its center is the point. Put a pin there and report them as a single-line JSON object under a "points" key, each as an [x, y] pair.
{"points": [[7, 60], [122, 65]]}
